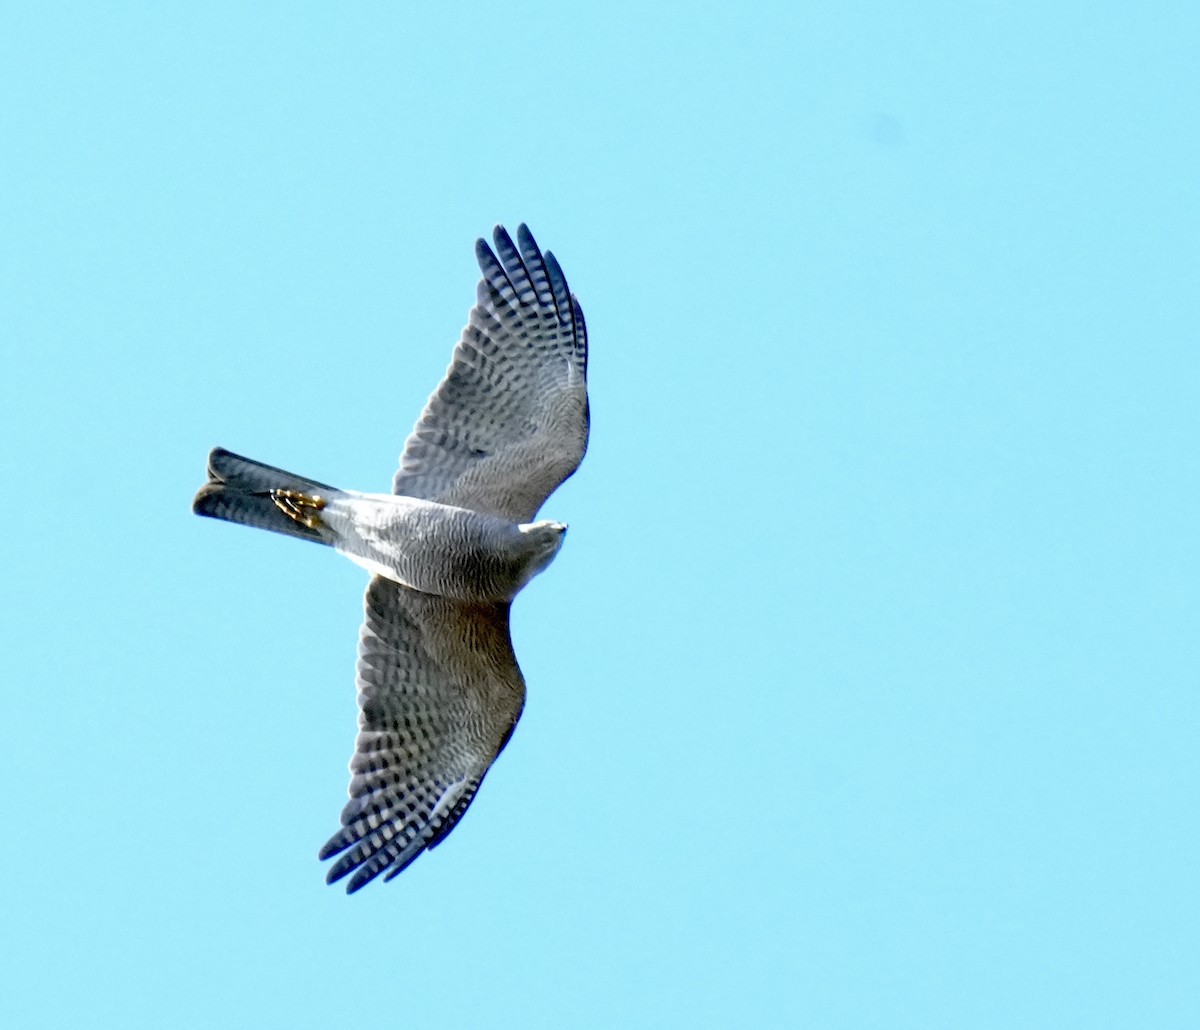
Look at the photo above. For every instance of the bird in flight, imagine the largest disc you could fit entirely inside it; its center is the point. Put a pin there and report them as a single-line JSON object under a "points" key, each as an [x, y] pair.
{"points": [[439, 689]]}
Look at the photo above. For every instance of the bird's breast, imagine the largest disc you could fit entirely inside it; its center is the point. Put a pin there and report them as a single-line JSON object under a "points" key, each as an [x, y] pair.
{"points": [[435, 548]]}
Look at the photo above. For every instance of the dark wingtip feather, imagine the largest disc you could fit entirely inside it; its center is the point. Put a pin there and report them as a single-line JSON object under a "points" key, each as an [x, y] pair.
{"points": [[340, 868], [364, 876], [385, 861], [558, 285], [580, 324], [336, 844], [539, 273], [495, 274], [400, 865], [510, 258], [525, 238], [500, 237]]}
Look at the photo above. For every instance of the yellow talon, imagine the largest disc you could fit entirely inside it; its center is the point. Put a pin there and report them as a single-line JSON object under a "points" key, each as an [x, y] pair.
{"points": [[300, 507]]}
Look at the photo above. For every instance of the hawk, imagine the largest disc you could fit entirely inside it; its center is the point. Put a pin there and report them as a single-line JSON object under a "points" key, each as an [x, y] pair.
{"points": [[439, 689]]}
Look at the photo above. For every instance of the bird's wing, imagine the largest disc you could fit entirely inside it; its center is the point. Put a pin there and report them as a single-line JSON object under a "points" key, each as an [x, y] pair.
{"points": [[439, 693], [509, 422]]}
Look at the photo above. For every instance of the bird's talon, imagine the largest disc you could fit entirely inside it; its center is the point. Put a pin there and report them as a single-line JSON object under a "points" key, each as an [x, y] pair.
{"points": [[299, 507]]}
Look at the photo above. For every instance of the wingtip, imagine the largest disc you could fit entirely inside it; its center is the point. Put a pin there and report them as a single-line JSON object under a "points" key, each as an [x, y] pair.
{"points": [[502, 241], [330, 848], [501, 238], [360, 879]]}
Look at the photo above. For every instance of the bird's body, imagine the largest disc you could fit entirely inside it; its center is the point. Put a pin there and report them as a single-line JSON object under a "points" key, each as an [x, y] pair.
{"points": [[439, 687], [440, 549]]}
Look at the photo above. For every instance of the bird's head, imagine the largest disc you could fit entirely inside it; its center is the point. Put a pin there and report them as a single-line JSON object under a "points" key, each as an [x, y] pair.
{"points": [[541, 541]]}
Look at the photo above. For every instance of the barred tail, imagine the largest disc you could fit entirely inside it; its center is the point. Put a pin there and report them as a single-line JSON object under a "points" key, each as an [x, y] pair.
{"points": [[253, 494]]}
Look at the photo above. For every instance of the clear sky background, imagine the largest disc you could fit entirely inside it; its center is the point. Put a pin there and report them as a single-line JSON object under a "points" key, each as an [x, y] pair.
{"points": [[864, 691]]}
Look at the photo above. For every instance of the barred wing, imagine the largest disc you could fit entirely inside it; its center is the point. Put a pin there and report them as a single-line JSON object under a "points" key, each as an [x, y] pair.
{"points": [[509, 422], [439, 693]]}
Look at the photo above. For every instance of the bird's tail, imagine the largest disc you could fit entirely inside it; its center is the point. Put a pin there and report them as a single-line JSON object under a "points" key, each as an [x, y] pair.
{"points": [[253, 494]]}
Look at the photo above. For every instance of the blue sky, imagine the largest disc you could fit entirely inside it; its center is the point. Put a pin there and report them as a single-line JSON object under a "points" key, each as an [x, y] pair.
{"points": [[864, 691]]}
